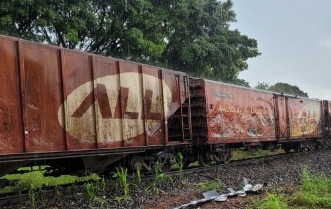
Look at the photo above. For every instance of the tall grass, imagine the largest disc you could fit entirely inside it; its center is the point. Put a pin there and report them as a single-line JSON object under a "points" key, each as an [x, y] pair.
{"points": [[179, 162], [121, 176], [271, 201], [314, 191], [160, 178]]}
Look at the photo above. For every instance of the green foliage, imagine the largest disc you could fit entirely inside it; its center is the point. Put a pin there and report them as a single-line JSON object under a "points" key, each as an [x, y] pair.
{"points": [[58, 190], [262, 86], [271, 201], [315, 191], [240, 82], [210, 185], [287, 89], [90, 191], [137, 174], [186, 35], [103, 184], [121, 176], [159, 178], [32, 194], [241, 154], [180, 163], [38, 180], [202, 44], [281, 88]]}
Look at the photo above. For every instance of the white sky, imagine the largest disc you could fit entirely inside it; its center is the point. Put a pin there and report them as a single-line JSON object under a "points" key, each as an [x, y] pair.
{"points": [[294, 38]]}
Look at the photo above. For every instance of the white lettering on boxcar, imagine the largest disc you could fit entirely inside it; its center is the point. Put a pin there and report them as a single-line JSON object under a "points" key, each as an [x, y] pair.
{"points": [[114, 108]]}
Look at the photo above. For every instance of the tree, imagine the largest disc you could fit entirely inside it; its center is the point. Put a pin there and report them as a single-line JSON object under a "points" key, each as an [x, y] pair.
{"points": [[186, 35], [287, 89], [107, 27], [202, 43], [282, 88], [262, 86], [240, 82]]}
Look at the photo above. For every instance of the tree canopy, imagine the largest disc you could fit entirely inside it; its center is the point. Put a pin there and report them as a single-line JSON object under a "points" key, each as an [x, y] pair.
{"points": [[193, 36], [282, 88]]}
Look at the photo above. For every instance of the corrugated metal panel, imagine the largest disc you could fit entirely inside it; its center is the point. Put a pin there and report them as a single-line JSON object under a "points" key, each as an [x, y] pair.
{"points": [[282, 116], [77, 101], [238, 114], [42, 96], [11, 130], [305, 117]]}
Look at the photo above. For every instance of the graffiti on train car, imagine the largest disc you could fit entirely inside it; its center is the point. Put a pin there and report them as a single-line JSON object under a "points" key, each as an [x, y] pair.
{"points": [[247, 110], [231, 121], [306, 121], [133, 106]]}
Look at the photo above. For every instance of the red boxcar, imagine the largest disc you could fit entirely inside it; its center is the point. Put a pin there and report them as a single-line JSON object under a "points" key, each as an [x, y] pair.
{"points": [[56, 102], [299, 118], [231, 114], [224, 113]]}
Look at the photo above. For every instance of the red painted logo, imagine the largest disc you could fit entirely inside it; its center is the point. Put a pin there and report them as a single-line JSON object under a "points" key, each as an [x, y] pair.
{"points": [[113, 103]]}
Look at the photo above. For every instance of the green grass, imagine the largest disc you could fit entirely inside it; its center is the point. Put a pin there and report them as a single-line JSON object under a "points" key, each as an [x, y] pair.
{"points": [[121, 177], [241, 154], [205, 186], [271, 201], [36, 179], [314, 192]]}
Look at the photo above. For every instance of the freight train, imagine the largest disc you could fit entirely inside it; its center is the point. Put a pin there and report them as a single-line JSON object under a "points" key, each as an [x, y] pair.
{"points": [[78, 112]]}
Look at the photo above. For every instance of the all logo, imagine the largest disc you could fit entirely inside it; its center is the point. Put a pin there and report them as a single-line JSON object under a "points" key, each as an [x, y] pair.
{"points": [[116, 107]]}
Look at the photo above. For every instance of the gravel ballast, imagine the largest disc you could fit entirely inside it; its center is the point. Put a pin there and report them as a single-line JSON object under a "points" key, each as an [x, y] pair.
{"points": [[274, 173]]}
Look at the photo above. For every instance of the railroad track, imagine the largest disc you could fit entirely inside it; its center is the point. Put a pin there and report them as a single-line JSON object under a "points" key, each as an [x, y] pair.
{"points": [[235, 163], [25, 195]]}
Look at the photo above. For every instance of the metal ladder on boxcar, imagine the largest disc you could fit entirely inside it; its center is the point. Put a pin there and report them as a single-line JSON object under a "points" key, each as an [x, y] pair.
{"points": [[199, 118], [180, 127]]}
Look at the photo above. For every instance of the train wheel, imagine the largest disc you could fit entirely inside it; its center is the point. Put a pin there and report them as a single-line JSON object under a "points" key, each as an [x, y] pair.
{"points": [[204, 159], [287, 149], [137, 165], [228, 156], [166, 160], [166, 165]]}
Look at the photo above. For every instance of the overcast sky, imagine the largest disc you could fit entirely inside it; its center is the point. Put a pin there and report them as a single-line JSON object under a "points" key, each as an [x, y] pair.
{"points": [[294, 38]]}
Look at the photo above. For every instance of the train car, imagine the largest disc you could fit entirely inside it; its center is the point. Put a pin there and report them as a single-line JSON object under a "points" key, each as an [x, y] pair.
{"points": [[226, 116], [78, 110], [300, 122]]}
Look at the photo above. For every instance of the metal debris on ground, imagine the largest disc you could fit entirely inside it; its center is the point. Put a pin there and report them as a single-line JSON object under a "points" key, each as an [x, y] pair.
{"points": [[221, 198], [213, 195], [210, 194]]}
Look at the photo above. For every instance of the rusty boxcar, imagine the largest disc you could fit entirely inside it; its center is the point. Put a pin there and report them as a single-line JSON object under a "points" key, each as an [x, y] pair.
{"points": [[59, 103], [299, 119], [76, 112], [226, 116]]}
